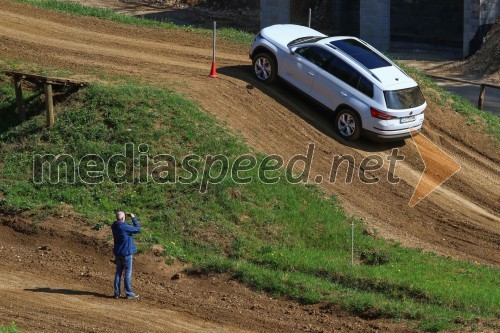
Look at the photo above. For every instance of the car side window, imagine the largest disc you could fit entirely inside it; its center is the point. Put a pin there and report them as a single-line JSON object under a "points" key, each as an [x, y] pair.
{"points": [[317, 55], [343, 71], [340, 69], [365, 86]]}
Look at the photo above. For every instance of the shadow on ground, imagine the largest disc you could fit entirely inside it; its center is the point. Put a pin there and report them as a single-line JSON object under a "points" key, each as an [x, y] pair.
{"points": [[68, 292], [33, 102], [313, 113]]}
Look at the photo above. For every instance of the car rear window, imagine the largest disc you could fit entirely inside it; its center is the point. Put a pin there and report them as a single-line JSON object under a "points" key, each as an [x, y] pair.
{"points": [[361, 53], [404, 99]]}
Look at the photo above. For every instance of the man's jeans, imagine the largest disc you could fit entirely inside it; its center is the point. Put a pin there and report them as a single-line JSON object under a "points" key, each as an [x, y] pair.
{"points": [[123, 264]]}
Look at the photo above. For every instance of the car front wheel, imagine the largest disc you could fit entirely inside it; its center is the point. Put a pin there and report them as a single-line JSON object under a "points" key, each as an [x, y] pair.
{"points": [[348, 124], [264, 67]]}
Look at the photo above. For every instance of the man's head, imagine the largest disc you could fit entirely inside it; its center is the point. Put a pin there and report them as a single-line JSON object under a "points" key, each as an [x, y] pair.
{"points": [[120, 216]]}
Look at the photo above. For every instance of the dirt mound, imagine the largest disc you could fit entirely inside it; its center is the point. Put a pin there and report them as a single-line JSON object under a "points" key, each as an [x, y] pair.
{"points": [[58, 278], [486, 61]]}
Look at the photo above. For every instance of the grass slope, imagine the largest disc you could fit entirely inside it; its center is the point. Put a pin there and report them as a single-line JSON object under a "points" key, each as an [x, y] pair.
{"points": [[288, 240], [474, 117]]}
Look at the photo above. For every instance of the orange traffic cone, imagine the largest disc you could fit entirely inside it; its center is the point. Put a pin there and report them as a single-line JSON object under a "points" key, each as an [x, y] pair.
{"points": [[213, 71]]}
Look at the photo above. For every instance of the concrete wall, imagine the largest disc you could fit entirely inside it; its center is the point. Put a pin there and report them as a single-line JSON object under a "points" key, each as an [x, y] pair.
{"points": [[274, 12], [489, 11], [427, 24], [375, 20], [479, 16], [345, 17], [374, 24]]}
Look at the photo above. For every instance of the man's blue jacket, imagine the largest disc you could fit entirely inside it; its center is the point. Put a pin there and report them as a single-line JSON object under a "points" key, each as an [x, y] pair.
{"points": [[123, 234]]}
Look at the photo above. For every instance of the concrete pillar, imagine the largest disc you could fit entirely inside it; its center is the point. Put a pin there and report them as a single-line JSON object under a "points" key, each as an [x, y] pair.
{"points": [[479, 16], [471, 23], [274, 12], [375, 23]]}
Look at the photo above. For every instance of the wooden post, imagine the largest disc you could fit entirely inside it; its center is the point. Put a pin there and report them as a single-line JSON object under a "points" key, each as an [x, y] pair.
{"points": [[49, 104], [480, 102], [19, 97]]}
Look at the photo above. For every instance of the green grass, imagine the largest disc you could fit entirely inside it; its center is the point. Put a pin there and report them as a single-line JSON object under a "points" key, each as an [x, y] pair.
{"points": [[226, 34], [9, 329], [288, 240]]}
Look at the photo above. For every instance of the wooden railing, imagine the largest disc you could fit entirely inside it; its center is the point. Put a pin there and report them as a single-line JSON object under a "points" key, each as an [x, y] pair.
{"points": [[483, 85], [47, 83]]}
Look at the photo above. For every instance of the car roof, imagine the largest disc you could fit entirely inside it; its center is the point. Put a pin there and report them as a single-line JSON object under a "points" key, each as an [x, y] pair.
{"points": [[359, 54], [358, 50], [379, 69]]}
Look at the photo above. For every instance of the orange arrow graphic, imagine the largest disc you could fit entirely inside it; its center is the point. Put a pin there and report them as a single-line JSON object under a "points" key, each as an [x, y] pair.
{"points": [[439, 166]]}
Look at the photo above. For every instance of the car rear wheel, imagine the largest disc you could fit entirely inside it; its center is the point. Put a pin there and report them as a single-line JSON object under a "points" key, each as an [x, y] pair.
{"points": [[348, 124], [264, 67]]}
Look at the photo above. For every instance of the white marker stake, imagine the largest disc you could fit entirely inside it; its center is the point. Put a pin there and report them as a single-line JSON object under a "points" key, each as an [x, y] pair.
{"points": [[213, 71], [352, 243]]}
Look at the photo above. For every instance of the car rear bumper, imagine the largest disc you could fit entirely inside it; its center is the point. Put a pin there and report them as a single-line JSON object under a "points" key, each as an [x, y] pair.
{"points": [[388, 136]]}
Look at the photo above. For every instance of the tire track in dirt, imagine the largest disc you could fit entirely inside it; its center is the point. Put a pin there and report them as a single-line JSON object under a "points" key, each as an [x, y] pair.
{"points": [[57, 278], [277, 120]]}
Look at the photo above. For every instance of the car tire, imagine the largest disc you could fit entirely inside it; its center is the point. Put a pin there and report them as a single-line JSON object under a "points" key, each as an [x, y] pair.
{"points": [[348, 124], [264, 67]]}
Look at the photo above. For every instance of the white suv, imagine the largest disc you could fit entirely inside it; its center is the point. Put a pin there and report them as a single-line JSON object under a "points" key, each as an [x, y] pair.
{"points": [[368, 92]]}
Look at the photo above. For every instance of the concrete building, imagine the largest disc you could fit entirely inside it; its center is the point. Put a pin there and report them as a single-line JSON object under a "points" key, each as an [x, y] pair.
{"points": [[449, 25]]}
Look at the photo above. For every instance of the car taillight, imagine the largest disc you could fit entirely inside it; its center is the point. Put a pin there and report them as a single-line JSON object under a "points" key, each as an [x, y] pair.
{"points": [[380, 115]]}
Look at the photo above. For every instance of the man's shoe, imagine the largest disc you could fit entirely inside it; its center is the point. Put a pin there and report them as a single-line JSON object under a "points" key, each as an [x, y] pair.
{"points": [[132, 296]]}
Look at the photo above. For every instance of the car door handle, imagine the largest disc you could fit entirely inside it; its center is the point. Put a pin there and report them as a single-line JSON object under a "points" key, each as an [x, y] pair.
{"points": [[311, 73], [343, 93]]}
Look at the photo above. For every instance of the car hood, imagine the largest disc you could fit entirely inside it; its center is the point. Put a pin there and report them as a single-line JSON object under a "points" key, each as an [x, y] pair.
{"points": [[393, 78], [282, 34]]}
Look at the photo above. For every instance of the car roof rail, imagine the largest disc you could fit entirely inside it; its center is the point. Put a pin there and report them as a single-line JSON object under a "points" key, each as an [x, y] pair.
{"points": [[383, 55], [354, 60]]}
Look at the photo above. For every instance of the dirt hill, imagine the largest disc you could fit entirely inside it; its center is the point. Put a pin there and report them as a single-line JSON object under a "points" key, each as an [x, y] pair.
{"points": [[486, 61], [59, 273]]}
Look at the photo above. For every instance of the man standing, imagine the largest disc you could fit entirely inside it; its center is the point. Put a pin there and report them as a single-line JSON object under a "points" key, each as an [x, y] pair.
{"points": [[123, 234]]}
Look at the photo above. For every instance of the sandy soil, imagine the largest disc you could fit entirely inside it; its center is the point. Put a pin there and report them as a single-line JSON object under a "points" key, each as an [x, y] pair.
{"points": [[183, 13], [58, 278], [460, 219]]}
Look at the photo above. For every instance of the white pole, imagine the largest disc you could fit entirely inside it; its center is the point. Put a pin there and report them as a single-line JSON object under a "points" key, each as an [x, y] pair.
{"points": [[310, 16], [352, 243], [215, 32], [213, 70]]}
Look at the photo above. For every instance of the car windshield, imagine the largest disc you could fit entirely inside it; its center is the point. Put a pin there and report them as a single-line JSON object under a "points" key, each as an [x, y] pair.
{"points": [[361, 53], [404, 99], [309, 39]]}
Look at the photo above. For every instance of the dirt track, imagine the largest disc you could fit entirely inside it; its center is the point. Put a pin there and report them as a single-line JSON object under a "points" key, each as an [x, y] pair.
{"points": [[58, 277], [460, 219]]}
